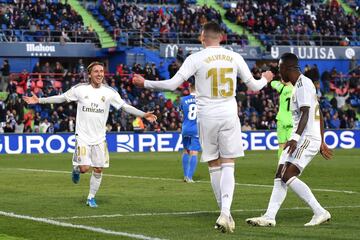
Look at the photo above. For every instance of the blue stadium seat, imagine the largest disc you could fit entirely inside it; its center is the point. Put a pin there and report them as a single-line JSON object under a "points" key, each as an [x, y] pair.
{"points": [[3, 26], [17, 33], [101, 18], [95, 12], [29, 38], [226, 5], [106, 24]]}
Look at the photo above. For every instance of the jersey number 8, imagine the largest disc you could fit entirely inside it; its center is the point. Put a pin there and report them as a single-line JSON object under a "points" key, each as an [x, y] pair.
{"points": [[192, 112]]}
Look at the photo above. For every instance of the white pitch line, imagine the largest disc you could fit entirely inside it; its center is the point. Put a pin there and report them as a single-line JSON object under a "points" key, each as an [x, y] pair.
{"points": [[70, 225], [189, 213], [177, 180]]}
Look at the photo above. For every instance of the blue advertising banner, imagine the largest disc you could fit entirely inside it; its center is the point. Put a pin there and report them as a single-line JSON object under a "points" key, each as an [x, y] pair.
{"points": [[154, 142], [35, 49]]}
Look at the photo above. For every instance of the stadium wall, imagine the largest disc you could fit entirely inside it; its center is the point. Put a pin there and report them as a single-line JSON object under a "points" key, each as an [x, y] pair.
{"points": [[153, 142]]}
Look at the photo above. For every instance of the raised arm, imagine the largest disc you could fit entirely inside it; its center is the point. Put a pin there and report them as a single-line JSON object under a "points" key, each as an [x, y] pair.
{"points": [[170, 84], [53, 99], [118, 103], [248, 79], [186, 70], [136, 112]]}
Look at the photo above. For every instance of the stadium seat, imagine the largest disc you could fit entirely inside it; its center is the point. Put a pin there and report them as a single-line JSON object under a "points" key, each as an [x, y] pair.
{"points": [[40, 84], [20, 90]]}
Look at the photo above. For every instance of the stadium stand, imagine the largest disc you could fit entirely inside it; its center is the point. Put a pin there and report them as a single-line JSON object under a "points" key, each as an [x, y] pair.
{"points": [[339, 96], [130, 23], [38, 21], [297, 22], [176, 21]]}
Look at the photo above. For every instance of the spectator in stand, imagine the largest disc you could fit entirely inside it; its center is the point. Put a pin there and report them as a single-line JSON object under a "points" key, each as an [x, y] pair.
{"points": [[334, 122], [4, 76]]}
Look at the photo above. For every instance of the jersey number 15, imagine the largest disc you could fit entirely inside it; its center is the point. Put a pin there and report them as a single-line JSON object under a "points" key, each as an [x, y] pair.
{"points": [[219, 80]]}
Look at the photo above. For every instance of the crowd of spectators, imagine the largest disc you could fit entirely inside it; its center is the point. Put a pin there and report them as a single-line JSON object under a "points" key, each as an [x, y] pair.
{"points": [[42, 21], [61, 118], [338, 94], [307, 22], [180, 23], [339, 97], [354, 4]]}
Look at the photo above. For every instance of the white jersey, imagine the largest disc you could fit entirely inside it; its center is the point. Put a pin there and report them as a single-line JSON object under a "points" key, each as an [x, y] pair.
{"points": [[93, 106], [304, 94], [215, 70]]}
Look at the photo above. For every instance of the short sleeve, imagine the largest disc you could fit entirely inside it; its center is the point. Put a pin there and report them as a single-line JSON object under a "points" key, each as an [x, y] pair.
{"points": [[116, 101], [188, 68], [243, 69], [303, 93], [277, 85], [71, 95]]}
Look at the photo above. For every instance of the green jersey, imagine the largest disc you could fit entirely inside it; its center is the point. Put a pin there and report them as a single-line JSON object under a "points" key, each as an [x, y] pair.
{"points": [[284, 114]]}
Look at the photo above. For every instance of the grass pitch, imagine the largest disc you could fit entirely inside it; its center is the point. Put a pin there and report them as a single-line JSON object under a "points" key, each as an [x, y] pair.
{"points": [[142, 196]]}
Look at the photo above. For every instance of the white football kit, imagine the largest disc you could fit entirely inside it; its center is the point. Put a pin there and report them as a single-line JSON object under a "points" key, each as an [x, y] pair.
{"points": [[215, 70], [304, 94], [93, 106]]}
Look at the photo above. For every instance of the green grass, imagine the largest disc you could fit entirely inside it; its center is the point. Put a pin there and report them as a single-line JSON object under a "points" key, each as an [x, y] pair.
{"points": [[52, 195]]}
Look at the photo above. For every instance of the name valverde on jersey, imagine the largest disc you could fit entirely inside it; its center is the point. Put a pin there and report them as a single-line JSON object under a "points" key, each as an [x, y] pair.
{"points": [[215, 70], [304, 94], [93, 110]]}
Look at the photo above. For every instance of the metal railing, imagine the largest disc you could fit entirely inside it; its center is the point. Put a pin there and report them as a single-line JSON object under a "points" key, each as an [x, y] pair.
{"points": [[154, 39], [21, 35], [125, 37]]}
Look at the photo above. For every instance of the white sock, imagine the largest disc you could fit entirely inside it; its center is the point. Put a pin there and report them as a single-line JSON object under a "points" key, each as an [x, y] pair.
{"points": [[95, 181], [277, 198], [227, 186], [304, 192], [215, 175], [76, 168]]}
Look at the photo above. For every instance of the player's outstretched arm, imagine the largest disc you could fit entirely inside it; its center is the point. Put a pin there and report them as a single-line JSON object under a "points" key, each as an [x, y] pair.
{"points": [[31, 100], [35, 100], [136, 112], [150, 117], [170, 84], [268, 75], [138, 80]]}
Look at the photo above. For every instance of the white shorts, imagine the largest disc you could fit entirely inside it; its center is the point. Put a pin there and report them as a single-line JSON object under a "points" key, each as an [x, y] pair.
{"points": [[91, 155], [306, 150], [220, 138]]}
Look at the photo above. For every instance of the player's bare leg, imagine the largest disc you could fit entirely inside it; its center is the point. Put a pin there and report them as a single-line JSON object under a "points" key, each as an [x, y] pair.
{"points": [[193, 164], [289, 176], [77, 169], [186, 164]]}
